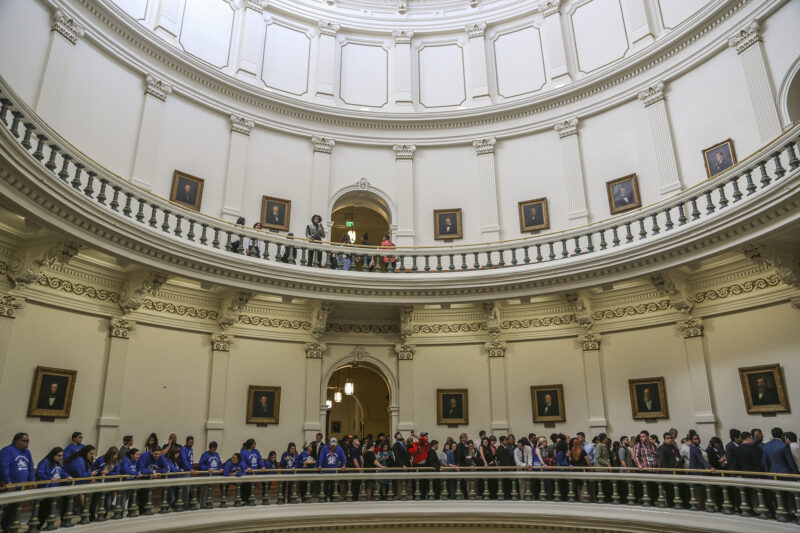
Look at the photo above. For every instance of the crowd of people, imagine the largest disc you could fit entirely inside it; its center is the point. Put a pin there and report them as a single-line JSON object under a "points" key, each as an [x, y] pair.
{"points": [[78, 462]]}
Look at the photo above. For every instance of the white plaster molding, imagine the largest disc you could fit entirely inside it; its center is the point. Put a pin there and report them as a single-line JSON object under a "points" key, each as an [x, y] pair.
{"points": [[476, 30], [405, 352], [320, 312], [66, 26], [156, 87], [328, 28], [653, 94], [691, 327], [231, 307], [550, 7], [140, 284], [221, 342], [402, 36], [785, 262], [566, 128], [496, 348], [314, 350], [404, 151], [484, 146], [28, 262], [120, 328], [746, 37], [323, 145], [240, 124], [589, 342], [674, 286]]}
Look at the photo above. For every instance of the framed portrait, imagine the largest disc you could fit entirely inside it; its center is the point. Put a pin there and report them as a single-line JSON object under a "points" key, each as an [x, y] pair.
{"points": [[263, 404], [187, 190], [648, 398], [548, 403], [533, 215], [447, 224], [275, 213], [452, 407], [764, 389], [51, 394], [719, 157], [336, 427], [623, 194]]}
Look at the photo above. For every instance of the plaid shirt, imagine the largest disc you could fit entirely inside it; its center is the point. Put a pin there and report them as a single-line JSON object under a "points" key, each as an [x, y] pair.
{"points": [[645, 455]]}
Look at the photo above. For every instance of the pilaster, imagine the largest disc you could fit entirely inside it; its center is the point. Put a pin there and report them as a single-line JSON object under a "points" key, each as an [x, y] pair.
{"points": [[553, 41], [314, 409], [573, 170], [692, 332], [477, 55], [149, 135], [637, 23], [404, 177], [64, 35], [402, 61], [326, 58], [321, 174], [249, 39], [497, 385], [119, 330], [236, 171], [405, 376], [487, 179], [218, 386], [9, 305], [661, 133], [592, 371]]}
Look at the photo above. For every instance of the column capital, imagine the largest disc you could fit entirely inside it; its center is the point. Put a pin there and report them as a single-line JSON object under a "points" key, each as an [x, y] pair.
{"points": [[496, 348], [746, 37], [240, 124], [566, 128], [120, 328], [314, 350], [9, 305], [28, 262], [322, 144], [551, 7], [691, 327], [653, 94], [484, 146], [475, 30], [66, 26], [402, 36], [156, 87], [256, 5], [221, 342], [328, 28], [404, 151], [589, 342], [405, 352]]}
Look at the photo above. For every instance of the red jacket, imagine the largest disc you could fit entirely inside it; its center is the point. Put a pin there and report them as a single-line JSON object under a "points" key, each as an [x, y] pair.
{"points": [[419, 451]]}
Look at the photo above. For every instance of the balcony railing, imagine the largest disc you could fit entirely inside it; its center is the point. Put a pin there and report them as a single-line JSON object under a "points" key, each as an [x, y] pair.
{"points": [[81, 501], [78, 175]]}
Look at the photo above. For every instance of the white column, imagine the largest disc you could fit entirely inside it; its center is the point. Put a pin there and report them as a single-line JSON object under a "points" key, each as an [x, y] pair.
{"points": [[321, 174], [9, 305], [315, 404], [235, 174], [497, 385], [553, 40], [326, 58], [64, 34], [640, 33], [404, 177], [487, 179], [477, 59], [592, 371], [218, 386], [402, 68], [168, 20], [119, 330], [762, 95], [661, 133], [249, 39], [155, 94], [692, 330], [573, 170], [405, 378]]}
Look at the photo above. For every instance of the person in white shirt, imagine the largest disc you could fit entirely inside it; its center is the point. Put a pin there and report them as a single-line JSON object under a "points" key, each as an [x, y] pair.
{"points": [[791, 439], [522, 454]]}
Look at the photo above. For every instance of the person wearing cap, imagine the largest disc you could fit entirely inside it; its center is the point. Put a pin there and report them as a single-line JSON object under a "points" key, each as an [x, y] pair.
{"points": [[331, 456]]}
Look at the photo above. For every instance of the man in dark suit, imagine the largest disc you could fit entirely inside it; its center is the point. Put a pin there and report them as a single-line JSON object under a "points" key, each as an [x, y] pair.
{"points": [[400, 452], [317, 446], [453, 410], [53, 398], [534, 217], [765, 393], [777, 456], [622, 196], [748, 454], [730, 449], [447, 227], [549, 407], [263, 407], [648, 402], [275, 217], [187, 195], [720, 162]]}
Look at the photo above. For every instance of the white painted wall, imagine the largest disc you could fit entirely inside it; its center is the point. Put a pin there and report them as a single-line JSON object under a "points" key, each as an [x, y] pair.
{"points": [[30, 42]]}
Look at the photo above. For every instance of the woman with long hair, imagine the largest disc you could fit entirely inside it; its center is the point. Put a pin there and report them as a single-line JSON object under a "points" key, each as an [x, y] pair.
{"points": [[151, 441], [50, 469]]}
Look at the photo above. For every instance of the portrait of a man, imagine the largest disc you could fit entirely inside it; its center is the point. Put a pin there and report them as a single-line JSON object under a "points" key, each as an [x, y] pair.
{"points": [[623, 194], [275, 213], [447, 224], [52, 392], [186, 190], [452, 406], [648, 398], [719, 157], [548, 403], [263, 404], [533, 215], [764, 390]]}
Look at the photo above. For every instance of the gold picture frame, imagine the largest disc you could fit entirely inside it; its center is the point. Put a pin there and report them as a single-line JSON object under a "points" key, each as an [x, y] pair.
{"points": [[772, 398], [623, 194], [275, 213], [535, 220], [187, 190], [717, 165], [51, 393], [544, 412], [646, 404], [452, 407], [441, 231], [266, 412]]}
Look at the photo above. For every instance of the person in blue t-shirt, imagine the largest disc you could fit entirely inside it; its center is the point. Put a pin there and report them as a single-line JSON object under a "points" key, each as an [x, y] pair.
{"points": [[307, 462], [290, 460], [330, 457], [187, 455], [253, 463], [233, 466], [107, 464], [170, 463], [50, 469], [73, 447], [209, 462], [79, 465], [16, 466], [149, 465], [129, 467]]}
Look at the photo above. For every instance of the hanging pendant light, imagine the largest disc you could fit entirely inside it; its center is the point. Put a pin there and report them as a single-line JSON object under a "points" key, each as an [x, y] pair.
{"points": [[337, 396], [349, 388], [328, 404]]}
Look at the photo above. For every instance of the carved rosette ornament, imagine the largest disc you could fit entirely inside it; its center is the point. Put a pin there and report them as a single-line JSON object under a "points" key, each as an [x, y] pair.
{"points": [[322, 145], [9, 305], [405, 352], [484, 146], [652, 94], [240, 124], [402, 36], [156, 88], [691, 328], [66, 27], [589, 342], [496, 348], [358, 354], [221, 342], [314, 350], [26, 264], [747, 37], [404, 151], [120, 328]]}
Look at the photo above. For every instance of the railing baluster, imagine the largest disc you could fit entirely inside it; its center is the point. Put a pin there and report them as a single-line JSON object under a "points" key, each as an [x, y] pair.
{"points": [[564, 252], [615, 492], [139, 212], [552, 254], [5, 103], [603, 244], [642, 231], [464, 262], [133, 504], [153, 221], [526, 258], [452, 266], [265, 493], [427, 267], [744, 502], [489, 264], [15, 123], [655, 229], [723, 200], [751, 187], [765, 179], [630, 497], [577, 245], [539, 257], [793, 161], [681, 215], [438, 262], [779, 170], [237, 498], [662, 498], [33, 520], [615, 237], [40, 140], [692, 498], [502, 262], [101, 196], [64, 172], [514, 257], [76, 178], [165, 221], [89, 190], [266, 250], [26, 141], [727, 506], [203, 238], [51, 163], [215, 240], [695, 211], [781, 514], [178, 231], [710, 208], [589, 243], [148, 502], [164, 507], [737, 194], [628, 233]]}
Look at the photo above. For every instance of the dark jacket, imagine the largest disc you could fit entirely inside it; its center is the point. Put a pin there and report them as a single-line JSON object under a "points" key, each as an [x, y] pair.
{"points": [[778, 458], [503, 458], [666, 456], [731, 455], [460, 454], [749, 457], [401, 455]]}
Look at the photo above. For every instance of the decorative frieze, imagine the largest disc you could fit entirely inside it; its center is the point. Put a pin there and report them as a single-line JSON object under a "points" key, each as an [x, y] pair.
{"points": [[747, 37], [484, 146], [785, 262], [405, 352], [652, 94], [322, 145], [231, 307], [691, 327], [221, 342], [404, 151], [27, 263], [179, 309], [319, 318], [402, 36], [475, 30], [120, 328], [240, 124], [66, 27], [328, 28], [496, 348], [589, 342], [631, 310], [314, 350], [566, 128], [140, 284], [9, 305], [156, 87]]}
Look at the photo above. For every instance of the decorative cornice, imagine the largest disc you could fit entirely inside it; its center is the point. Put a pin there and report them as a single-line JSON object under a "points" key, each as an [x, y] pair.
{"points": [[476, 30], [240, 124], [582, 306], [484, 146], [539, 322], [566, 128], [26, 263], [736, 289], [785, 262], [9, 305], [406, 322], [120, 328], [140, 284], [221, 342], [156, 87], [405, 352], [382, 329], [320, 312], [691, 327], [491, 311], [402, 36], [551, 7], [496, 348], [314, 350], [747, 37], [328, 28], [323, 145], [274, 322], [631, 310], [231, 307], [179, 309], [589, 342], [653, 94], [450, 328], [66, 27], [79, 289], [673, 286], [404, 151]]}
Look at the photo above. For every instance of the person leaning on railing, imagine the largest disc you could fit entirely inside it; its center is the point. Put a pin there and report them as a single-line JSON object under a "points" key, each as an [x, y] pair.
{"points": [[315, 232]]}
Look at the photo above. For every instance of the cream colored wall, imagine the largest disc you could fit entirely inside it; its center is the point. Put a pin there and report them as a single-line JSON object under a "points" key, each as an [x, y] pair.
{"points": [[29, 41]]}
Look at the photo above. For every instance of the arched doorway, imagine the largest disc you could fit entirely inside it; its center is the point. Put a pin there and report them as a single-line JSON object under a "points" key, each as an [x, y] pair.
{"points": [[789, 95], [357, 212], [366, 411]]}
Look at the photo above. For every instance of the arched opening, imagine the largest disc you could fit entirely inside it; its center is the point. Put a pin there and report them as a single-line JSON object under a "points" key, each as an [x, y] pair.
{"points": [[366, 411], [359, 212], [789, 95]]}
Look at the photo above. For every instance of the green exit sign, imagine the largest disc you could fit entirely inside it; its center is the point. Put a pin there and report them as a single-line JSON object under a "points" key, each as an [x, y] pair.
{"points": [[349, 224]]}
